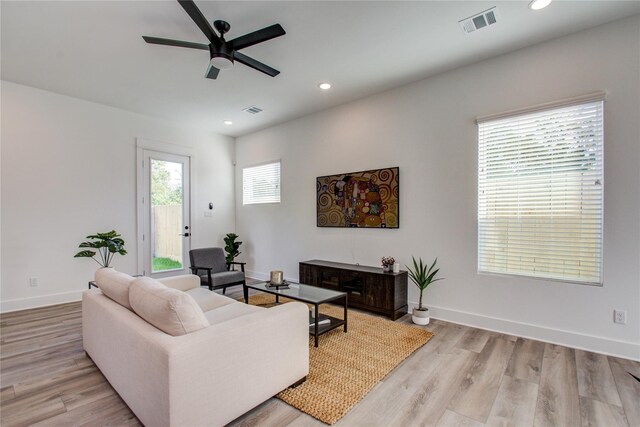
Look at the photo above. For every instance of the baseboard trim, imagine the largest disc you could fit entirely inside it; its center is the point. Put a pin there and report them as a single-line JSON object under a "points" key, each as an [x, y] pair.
{"points": [[39, 301], [596, 344]]}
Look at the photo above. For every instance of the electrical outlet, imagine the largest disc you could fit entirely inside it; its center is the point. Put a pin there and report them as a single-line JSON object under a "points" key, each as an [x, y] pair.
{"points": [[33, 282], [620, 316]]}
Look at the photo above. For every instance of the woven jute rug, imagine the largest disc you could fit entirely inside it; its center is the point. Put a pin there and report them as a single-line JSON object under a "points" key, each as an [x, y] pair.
{"points": [[345, 367]]}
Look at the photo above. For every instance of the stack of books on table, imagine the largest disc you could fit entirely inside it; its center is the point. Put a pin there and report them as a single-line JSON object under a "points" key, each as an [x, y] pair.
{"points": [[322, 321]]}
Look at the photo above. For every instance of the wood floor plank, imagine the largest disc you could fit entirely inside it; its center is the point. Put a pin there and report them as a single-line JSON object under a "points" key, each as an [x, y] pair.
{"points": [[477, 392], [595, 379], [515, 404], [599, 414], [15, 349], [273, 412], [67, 380], [74, 399], [430, 396], [382, 404], [453, 419], [526, 361], [628, 387], [100, 412], [558, 403], [445, 338], [68, 344], [7, 393], [39, 369], [50, 312], [24, 412], [36, 333], [474, 339]]}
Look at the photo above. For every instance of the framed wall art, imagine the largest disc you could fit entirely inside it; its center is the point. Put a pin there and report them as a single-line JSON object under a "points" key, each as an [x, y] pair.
{"points": [[366, 199]]}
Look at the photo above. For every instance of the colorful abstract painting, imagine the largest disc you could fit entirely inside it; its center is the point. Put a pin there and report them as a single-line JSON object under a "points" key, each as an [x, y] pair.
{"points": [[367, 199]]}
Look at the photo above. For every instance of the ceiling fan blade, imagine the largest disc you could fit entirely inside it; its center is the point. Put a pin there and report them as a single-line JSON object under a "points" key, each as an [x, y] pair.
{"points": [[256, 37], [192, 10], [178, 43], [256, 65], [212, 72]]}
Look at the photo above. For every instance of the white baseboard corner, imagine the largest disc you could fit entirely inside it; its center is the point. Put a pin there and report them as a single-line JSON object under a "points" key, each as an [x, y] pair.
{"points": [[596, 344], [39, 301]]}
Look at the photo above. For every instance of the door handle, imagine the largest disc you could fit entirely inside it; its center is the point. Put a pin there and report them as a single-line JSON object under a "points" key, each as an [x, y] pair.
{"points": [[185, 234]]}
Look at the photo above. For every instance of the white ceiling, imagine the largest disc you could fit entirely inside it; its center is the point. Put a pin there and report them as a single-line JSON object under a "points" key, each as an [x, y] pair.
{"points": [[94, 51]]}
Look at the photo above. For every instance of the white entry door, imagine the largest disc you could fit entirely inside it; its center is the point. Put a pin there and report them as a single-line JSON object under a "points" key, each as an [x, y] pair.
{"points": [[164, 205]]}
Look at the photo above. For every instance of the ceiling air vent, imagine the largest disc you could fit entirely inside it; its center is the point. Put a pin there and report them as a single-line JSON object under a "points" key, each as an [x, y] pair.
{"points": [[479, 21], [253, 109]]}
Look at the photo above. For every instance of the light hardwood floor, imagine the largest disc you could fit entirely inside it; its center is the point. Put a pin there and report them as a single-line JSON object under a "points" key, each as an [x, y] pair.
{"points": [[462, 377]]}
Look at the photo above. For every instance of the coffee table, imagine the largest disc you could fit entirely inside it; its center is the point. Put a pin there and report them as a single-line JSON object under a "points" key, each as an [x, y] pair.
{"points": [[310, 295]]}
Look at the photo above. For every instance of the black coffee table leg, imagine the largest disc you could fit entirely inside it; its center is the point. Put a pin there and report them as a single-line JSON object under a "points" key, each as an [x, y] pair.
{"points": [[345, 312], [245, 290], [316, 321]]}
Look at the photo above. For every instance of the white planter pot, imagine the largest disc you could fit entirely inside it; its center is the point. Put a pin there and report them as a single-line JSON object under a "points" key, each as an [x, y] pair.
{"points": [[420, 317]]}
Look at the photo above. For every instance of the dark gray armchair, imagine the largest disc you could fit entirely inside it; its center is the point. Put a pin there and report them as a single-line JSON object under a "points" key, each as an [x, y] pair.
{"points": [[213, 269]]}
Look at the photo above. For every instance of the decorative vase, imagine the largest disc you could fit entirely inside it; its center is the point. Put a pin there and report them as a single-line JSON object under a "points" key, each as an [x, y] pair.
{"points": [[387, 268], [420, 317]]}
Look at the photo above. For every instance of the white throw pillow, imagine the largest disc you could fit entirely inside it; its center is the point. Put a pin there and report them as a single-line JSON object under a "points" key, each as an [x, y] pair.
{"points": [[169, 310], [114, 285]]}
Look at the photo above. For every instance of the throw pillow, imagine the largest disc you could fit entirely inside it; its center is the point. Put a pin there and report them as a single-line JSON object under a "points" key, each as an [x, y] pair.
{"points": [[169, 310], [114, 285]]}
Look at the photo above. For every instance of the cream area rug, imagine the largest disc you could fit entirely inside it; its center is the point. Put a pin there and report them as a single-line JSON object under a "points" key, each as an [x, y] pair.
{"points": [[345, 367]]}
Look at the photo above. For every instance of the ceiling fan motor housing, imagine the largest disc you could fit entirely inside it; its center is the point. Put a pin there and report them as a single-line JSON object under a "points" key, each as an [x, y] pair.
{"points": [[221, 56]]}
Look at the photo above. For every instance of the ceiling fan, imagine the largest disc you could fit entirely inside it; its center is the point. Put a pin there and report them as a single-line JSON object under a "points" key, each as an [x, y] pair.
{"points": [[223, 53]]}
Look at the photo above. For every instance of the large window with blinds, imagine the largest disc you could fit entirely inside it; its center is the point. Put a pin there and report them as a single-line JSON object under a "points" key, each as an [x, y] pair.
{"points": [[261, 184], [540, 193]]}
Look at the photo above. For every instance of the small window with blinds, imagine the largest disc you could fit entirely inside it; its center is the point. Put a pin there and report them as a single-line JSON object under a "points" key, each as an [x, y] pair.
{"points": [[261, 184], [540, 193]]}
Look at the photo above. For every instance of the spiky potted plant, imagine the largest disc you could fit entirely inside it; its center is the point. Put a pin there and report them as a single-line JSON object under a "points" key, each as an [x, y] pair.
{"points": [[422, 277], [106, 245]]}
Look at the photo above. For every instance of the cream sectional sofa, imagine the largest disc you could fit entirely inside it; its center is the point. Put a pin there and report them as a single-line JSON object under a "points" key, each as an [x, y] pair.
{"points": [[220, 358]]}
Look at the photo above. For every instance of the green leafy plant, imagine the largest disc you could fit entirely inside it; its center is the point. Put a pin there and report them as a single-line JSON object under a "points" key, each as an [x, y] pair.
{"points": [[423, 276], [106, 245], [231, 246]]}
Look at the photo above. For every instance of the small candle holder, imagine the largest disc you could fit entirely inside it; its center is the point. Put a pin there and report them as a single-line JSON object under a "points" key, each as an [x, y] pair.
{"points": [[276, 277]]}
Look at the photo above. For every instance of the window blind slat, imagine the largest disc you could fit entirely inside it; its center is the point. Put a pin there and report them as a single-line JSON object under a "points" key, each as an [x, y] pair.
{"points": [[261, 184], [540, 193]]}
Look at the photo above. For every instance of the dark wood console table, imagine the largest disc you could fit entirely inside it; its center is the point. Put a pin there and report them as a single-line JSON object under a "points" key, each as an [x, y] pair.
{"points": [[369, 288]]}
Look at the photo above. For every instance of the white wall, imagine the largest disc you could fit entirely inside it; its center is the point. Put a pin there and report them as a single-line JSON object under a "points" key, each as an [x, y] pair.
{"points": [[68, 170], [427, 129]]}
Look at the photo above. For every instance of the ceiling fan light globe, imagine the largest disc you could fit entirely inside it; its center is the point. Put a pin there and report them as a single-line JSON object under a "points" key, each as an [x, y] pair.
{"points": [[221, 62], [539, 4]]}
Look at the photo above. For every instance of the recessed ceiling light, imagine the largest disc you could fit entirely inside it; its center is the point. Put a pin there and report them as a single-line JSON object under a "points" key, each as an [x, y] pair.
{"points": [[228, 122], [539, 4], [325, 86]]}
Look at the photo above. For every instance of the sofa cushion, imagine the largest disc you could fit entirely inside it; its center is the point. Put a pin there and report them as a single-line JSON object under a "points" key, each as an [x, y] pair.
{"points": [[231, 311], [208, 300], [114, 285], [170, 310]]}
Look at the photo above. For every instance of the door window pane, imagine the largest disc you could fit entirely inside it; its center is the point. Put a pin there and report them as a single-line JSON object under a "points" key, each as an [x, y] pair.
{"points": [[166, 216]]}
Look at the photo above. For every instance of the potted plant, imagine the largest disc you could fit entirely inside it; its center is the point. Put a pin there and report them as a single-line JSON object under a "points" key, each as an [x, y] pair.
{"points": [[422, 277], [106, 244], [231, 247]]}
